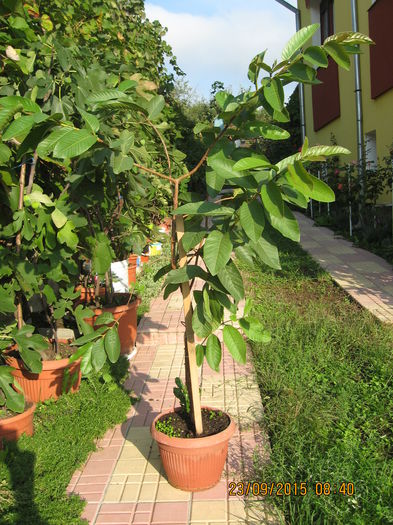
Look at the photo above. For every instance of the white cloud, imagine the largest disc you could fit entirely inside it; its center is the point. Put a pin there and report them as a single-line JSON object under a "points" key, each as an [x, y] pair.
{"points": [[215, 47]]}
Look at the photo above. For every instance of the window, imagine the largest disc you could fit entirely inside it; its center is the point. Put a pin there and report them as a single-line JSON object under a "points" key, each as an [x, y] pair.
{"points": [[327, 21], [380, 16], [371, 150]]}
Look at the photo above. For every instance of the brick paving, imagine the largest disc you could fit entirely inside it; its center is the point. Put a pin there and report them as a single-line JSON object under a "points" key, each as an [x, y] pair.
{"points": [[365, 276], [123, 481]]}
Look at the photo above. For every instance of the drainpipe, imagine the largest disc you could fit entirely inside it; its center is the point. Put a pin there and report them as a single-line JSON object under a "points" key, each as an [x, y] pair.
{"points": [[301, 87], [359, 109]]}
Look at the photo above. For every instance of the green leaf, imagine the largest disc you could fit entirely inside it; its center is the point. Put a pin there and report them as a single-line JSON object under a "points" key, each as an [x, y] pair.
{"points": [[15, 101], [190, 239], [58, 218], [232, 281], [127, 84], [324, 151], [203, 208], [101, 256], [316, 56], [253, 329], [19, 128], [6, 301], [252, 219], [213, 352], [182, 275], [104, 318], [235, 344], [155, 106], [15, 401], [98, 355], [45, 147], [200, 324], [91, 120], [349, 37], [217, 251], [86, 364], [105, 95], [214, 182], [67, 235], [287, 224], [267, 131], [5, 153], [321, 191], [245, 254], [200, 354], [250, 163], [223, 167], [298, 40], [74, 143], [169, 289], [339, 55], [112, 344], [272, 199], [120, 162], [274, 94], [161, 272], [267, 251]]}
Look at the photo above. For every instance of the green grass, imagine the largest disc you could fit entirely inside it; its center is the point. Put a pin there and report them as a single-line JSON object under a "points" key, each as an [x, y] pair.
{"points": [[326, 386], [35, 471]]}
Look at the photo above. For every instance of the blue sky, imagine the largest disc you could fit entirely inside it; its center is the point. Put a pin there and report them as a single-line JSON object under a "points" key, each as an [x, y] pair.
{"points": [[216, 39]]}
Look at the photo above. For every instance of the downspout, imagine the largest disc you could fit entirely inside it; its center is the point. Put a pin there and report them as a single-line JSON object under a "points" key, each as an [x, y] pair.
{"points": [[300, 85], [359, 109]]}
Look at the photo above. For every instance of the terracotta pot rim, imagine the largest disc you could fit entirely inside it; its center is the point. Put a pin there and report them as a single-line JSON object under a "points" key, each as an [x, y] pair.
{"points": [[31, 405], [51, 364], [190, 443], [118, 309]]}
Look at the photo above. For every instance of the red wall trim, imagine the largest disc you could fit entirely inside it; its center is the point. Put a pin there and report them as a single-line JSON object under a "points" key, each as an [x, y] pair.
{"points": [[326, 96], [380, 18]]}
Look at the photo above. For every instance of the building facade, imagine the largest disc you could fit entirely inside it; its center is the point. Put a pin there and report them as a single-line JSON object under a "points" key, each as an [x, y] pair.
{"points": [[331, 107]]}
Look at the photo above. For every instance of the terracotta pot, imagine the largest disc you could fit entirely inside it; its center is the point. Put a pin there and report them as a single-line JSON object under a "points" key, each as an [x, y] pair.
{"points": [[132, 262], [87, 294], [127, 317], [193, 464], [13, 427], [49, 382], [144, 258]]}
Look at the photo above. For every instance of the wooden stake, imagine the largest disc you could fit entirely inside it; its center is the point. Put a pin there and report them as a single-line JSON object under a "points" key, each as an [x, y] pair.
{"points": [[191, 352], [18, 240]]}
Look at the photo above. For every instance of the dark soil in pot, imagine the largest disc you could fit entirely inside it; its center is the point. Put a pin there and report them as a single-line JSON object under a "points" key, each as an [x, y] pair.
{"points": [[179, 424], [5, 413], [64, 350]]}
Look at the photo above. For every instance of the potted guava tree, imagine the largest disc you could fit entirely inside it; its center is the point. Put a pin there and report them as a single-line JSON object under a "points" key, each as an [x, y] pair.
{"points": [[193, 440]]}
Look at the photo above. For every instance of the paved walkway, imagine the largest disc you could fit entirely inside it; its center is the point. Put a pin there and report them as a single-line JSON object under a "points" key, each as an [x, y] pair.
{"points": [[124, 483], [365, 276]]}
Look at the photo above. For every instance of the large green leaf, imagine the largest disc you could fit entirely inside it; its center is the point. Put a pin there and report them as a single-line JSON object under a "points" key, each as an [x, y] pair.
{"points": [[324, 151], [182, 275], [339, 55], [5, 153], [214, 182], [14, 101], [252, 219], [74, 143], [287, 224], [217, 251], [267, 131], [250, 163], [267, 251], [274, 94], [92, 121], [19, 128], [155, 106], [316, 56], [223, 167], [105, 95], [101, 257], [200, 354], [235, 344], [213, 352], [66, 235], [232, 281], [253, 329], [298, 40], [202, 326], [46, 146], [58, 218], [203, 208], [112, 344], [272, 199], [321, 191], [349, 37], [98, 355], [14, 400]]}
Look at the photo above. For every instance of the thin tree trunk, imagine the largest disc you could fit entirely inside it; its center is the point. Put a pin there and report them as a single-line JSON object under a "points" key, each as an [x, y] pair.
{"points": [[18, 240], [190, 361]]}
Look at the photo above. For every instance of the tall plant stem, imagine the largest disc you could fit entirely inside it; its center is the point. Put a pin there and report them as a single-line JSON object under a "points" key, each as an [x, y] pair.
{"points": [[18, 240], [191, 365]]}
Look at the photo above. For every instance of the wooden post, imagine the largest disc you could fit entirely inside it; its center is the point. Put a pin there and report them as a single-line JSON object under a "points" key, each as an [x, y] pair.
{"points": [[191, 365]]}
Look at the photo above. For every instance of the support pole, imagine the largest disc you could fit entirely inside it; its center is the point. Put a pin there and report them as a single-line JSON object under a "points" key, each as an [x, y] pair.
{"points": [[191, 364]]}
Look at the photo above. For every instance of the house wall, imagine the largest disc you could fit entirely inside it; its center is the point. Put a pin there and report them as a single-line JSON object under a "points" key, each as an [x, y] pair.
{"points": [[377, 113]]}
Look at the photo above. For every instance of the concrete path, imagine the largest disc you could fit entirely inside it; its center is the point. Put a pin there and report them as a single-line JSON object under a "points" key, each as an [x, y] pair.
{"points": [[365, 276], [124, 483]]}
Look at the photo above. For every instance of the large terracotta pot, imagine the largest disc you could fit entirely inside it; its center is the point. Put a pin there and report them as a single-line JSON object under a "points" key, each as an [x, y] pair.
{"points": [[132, 263], [13, 427], [144, 258], [49, 382], [87, 294], [193, 464], [127, 317]]}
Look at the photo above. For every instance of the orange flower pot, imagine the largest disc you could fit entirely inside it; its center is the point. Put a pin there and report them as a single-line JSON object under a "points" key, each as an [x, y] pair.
{"points": [[144, 258], [48, 383], [132, 259], [13, 427], [127, 317], [193, 464], [87, 294]]}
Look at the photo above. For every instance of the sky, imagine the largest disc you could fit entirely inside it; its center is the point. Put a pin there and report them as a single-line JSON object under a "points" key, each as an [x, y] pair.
{"points": [[217, 39]]}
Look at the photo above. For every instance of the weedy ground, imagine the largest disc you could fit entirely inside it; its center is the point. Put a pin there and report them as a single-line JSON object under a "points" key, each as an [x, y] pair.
{"points": [[327, 391]]}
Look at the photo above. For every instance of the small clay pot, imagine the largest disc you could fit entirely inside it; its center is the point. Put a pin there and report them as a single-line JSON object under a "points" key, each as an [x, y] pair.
{"points": [[193, 464], [49, 382], [13, 427], [126, 315]]}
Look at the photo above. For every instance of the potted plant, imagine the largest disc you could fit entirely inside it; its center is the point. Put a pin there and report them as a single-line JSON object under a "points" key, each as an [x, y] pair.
{"points": [[193, 440]]}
